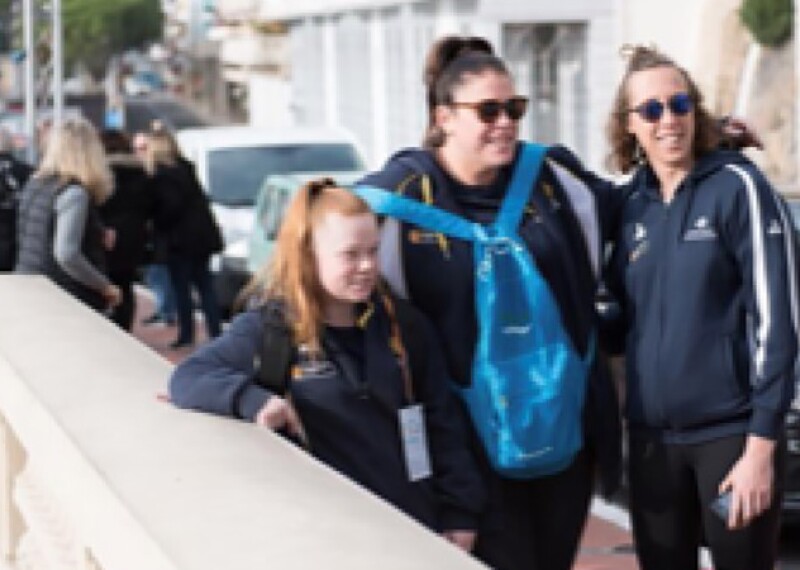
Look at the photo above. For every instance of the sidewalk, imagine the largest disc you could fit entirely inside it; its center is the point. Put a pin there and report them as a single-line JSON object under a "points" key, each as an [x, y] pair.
{"points": [[606, 544]]}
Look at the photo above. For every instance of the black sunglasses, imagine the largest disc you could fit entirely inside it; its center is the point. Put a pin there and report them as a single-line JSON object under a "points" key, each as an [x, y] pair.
{"points": [[489, 110], [652, 110]]}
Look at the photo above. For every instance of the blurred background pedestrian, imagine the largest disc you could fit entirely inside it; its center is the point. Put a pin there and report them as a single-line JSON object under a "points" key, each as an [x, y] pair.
{"points": [[156, 275], [185, 227], [13, 175], [128, 211], [60, 234]]}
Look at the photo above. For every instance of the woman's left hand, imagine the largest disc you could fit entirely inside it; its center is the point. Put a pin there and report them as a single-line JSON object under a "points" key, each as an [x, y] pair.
{"points": [[751, 482], [464, 539], [113, 295], [737, 134]]}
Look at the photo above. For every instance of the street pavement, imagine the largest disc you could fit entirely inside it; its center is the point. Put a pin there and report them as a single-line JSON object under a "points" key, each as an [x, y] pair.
{"points": [[607, 543]]}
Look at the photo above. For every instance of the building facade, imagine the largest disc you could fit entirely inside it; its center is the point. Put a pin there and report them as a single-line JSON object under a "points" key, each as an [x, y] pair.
{"points": [[358, 64]]}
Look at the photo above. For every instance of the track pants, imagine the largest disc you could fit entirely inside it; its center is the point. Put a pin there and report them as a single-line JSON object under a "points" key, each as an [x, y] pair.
{"points": [[672, 486]]}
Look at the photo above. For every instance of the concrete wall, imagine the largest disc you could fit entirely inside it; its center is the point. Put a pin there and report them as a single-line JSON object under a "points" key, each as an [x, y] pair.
{"points": [[96, 472]]}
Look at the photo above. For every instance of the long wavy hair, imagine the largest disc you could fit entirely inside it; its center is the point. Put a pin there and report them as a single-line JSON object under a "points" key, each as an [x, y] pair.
{"points": [[291, 274], [625, 154], [74, 153]]}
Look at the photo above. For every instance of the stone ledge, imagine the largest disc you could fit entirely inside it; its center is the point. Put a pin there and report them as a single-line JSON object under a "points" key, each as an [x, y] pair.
{"points": [[148, 486]]}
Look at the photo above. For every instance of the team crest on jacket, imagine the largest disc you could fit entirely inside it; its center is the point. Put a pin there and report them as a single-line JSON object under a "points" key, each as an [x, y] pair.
{"points": [[639, 232], [550, 194], [420, 237], [701, 230], [774, 228], [640, 242]]}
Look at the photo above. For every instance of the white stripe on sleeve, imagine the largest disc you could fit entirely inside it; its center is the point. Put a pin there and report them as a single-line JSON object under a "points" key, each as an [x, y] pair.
{"points": [[763, 301]]}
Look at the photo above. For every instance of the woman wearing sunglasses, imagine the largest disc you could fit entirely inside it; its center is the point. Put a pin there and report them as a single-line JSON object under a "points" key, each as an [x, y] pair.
{"points": [[704, 269], [470, 151]]}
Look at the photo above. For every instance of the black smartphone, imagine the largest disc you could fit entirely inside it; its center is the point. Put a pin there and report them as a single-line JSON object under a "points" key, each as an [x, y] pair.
{"points": [[721, 506]]}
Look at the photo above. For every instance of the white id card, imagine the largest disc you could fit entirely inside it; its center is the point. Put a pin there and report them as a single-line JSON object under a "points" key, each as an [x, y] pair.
{"points": [[415, 442]]}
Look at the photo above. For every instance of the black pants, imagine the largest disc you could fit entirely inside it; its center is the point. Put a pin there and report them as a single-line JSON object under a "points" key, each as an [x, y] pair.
{"points": [[536, 524], [123, 313], [185, 273], [672, 487]]}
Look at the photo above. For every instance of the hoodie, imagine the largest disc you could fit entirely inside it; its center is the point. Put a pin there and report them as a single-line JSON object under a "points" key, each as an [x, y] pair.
{"points": [[706, 283]]}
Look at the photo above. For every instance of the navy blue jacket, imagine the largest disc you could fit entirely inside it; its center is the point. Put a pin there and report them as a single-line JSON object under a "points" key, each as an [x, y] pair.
{"points": [[349, 413], [563, 228], [710, 311]]}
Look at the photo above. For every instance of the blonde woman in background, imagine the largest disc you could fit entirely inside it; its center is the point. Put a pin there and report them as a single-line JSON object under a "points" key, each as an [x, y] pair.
{"points": [[59, 230], [185, 231]]}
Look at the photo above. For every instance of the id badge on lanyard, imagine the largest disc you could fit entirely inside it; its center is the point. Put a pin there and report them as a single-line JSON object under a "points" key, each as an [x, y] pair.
{"points": [[415, 442]]}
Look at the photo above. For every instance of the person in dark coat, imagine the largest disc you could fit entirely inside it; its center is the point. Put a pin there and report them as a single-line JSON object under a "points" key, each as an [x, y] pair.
{"points": [[13, 175], [348, 384], [185, 226], [470, 151], [129, 212]]}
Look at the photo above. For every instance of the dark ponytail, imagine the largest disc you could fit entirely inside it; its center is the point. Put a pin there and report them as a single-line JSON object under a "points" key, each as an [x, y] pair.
{"points": [[448, 60]]}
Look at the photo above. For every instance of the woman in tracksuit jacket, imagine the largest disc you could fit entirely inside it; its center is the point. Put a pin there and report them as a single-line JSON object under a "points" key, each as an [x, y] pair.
{"points": [[704, 267], [348, 381], [470, 152]]}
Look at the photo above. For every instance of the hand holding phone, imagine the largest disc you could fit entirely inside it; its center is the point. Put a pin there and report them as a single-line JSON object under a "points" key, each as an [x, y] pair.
{"points": [[721, 506]]}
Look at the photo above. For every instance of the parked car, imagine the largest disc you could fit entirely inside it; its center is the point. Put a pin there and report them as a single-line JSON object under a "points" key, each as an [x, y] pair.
{"points": [[233, 163], [791, 498], [275, 195]]}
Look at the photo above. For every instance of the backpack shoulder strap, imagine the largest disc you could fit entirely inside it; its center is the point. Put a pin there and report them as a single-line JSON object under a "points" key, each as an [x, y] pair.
{"points": [[388, 203], [519, 189], [277, 349]]}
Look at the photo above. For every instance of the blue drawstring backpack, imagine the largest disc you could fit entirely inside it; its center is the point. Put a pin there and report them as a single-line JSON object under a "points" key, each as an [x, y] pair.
{"points": [[528, 381]]}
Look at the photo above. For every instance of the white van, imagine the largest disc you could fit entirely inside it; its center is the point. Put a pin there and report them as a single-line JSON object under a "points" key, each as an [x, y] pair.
{"points": [[232, 164]]}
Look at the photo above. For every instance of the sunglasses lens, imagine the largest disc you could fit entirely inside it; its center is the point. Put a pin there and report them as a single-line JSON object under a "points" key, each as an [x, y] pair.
{"points": [[488, 111], [680, 104], [651, 110], [515, 108]]}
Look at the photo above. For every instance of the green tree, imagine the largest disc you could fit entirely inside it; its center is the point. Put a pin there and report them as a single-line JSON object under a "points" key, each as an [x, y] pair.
{"points": [[94, 30], [770, 21]]}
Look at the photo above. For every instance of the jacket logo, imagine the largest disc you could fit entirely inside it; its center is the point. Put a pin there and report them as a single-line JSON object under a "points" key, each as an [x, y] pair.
{"points": [[640, 243], [701, 231], [774, 228], [421, 237], [550, 194]]}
